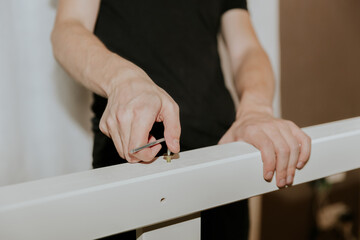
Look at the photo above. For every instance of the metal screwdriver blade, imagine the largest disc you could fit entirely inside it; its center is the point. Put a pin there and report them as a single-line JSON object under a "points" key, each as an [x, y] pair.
{"points": [[147, 145]]}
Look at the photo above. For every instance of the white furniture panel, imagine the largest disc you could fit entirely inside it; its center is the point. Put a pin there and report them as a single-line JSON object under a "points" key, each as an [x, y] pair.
{"points": [[105, 201]]}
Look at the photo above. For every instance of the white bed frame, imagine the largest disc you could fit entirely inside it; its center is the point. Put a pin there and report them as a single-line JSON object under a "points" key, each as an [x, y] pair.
{"points": [[161, 200]]}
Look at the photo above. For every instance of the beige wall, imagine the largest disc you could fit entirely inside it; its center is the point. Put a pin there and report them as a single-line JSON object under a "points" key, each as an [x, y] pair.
{"points": [[320, 60]]}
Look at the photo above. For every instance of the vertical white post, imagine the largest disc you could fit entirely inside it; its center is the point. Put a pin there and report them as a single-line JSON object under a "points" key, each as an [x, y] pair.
{"points": [[179, 229]]}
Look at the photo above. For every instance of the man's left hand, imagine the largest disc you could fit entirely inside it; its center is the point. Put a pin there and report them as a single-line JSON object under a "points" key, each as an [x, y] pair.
{"points": [[284, 146]]}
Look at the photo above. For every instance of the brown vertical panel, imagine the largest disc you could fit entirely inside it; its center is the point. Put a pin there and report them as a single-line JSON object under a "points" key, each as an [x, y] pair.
{"points": [[320, 82], [320, 60]]}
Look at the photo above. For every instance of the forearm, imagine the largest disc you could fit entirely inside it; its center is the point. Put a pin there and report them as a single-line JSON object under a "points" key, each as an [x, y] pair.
{"points": [[284, 147], [254, 82], [87, 60]]}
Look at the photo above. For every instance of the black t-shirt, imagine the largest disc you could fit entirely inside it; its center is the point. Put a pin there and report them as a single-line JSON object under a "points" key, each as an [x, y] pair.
{"points": [[175, 43]]}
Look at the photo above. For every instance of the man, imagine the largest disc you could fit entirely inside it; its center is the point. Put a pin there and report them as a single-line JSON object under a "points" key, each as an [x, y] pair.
{"points": [[152, 63]]}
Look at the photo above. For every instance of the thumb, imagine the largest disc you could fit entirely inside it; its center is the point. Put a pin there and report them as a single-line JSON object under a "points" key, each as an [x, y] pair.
{"points": [[171, 121]]}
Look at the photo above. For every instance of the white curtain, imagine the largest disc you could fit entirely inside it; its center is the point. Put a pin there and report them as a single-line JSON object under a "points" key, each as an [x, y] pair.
{"points": [[44, 123], [45, 116]]}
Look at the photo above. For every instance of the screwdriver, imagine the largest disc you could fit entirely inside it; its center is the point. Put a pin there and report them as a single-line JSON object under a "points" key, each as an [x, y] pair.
{"points": [[147, 145], [168, 155]]}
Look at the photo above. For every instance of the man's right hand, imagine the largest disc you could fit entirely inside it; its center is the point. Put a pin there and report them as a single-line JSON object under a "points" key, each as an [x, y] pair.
{"points": [[135, 102]]}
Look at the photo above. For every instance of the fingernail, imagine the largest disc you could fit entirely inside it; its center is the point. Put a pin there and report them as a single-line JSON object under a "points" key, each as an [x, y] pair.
{"points": [[289, 179], [300, 165], [269, 175], [282, 182]]}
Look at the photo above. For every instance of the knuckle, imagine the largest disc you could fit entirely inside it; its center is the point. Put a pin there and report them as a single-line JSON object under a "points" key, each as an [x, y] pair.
{"points": [[269, 167], [268, 158], [175, 107], [295, 147], [265, 125], [102, 127], [251, 130], [282, 173], [290, 123], [291, 170], [278, 122], [123, 116], [266, 143], [172, 106], [110, 122], [283, 125], [272, 127], [156, 99], [282, 169], [269, 161], [283, 149], [119, 116]]}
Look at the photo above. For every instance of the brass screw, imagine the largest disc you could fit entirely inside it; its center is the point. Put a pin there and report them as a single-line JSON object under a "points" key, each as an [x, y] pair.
{"points": [[167, 157]]}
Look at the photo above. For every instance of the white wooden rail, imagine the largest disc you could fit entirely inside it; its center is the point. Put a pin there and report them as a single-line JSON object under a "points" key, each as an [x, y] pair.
{"points": [[114, 199]]}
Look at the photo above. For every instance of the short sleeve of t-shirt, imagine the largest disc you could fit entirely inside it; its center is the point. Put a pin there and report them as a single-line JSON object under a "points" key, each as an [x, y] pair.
{"points": [[230, 4]]}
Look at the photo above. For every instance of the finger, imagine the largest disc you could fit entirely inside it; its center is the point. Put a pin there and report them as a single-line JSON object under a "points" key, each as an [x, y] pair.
{"points": [[305, 145], [294, 153], [139, 135], [171, 121], [148, 154], [115, 137], [123, 128], [282, 151], [103, 125], [262, 142], [153, 150], [228, 137]]}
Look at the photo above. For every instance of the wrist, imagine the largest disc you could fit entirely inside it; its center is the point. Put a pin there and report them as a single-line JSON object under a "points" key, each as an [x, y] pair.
{"points": [[127, 75], [250, 105]]}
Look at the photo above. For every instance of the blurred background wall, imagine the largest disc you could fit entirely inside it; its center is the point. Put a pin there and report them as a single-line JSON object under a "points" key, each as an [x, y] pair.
{"points": [[320, 60], [320, 82]]}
